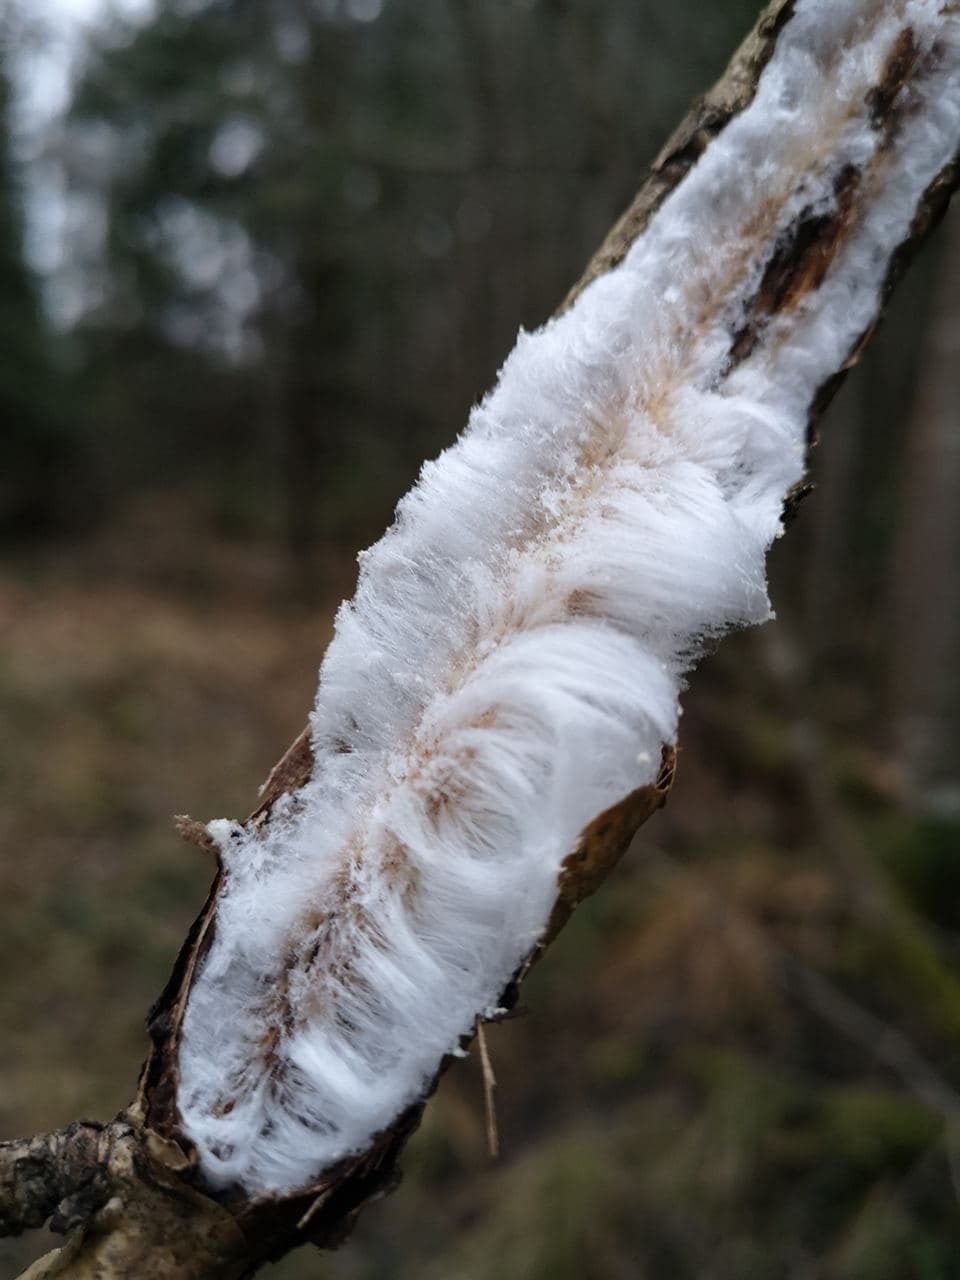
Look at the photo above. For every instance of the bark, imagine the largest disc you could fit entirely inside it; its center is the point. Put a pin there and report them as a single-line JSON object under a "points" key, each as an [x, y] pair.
{"points": [[131, 1192], [121, 1188]]}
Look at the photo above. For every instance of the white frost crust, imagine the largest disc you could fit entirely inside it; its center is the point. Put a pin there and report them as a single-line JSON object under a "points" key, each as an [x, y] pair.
{"points": [[511, 664]]}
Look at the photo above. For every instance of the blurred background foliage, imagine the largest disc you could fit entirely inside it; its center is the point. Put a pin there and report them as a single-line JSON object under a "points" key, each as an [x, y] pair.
{"points": [[253, 270]]}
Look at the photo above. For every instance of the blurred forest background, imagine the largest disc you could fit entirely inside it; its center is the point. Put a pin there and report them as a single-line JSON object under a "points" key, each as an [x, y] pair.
{"points": [[257, 259]]}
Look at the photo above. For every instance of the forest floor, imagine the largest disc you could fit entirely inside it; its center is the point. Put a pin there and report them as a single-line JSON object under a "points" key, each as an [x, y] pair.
{"points": [[736, 1064]]}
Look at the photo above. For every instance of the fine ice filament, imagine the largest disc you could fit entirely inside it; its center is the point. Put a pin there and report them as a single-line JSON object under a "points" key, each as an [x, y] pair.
{"points": [[511, 664]]}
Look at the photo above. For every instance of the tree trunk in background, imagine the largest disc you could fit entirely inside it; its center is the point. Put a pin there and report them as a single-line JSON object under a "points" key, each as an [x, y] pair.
{"points": [[826, 586], [925, 685]]}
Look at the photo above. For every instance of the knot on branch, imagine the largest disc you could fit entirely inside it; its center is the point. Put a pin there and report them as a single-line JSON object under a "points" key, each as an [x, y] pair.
{"points": [[128, 1191], [61, 1178]]}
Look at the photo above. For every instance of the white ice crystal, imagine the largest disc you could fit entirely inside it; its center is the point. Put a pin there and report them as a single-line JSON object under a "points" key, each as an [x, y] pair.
{"points": [[511, 664]]}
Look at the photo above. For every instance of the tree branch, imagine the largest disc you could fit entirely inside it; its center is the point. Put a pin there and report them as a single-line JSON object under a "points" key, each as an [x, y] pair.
{"points": [[133, 1192], [120, 1189]]}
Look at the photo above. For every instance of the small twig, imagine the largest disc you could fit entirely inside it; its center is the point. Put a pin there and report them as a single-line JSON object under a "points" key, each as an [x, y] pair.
{"points": [[489, 1084], [194, 833], [315, 1208]]}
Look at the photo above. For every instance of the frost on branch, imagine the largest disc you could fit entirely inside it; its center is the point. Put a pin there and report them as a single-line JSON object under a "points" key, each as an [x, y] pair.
{"points": [[511, 664]]}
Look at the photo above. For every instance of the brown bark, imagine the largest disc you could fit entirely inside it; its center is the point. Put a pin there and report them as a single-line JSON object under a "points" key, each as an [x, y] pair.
{"points": [[133, 1189]]}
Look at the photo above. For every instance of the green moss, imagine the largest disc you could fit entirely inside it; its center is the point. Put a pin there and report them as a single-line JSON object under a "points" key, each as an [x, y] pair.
{"points": [[876, 1131]]}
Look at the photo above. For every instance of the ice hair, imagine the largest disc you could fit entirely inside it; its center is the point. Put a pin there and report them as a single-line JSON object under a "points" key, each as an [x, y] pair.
{"points": [[511, 663]]}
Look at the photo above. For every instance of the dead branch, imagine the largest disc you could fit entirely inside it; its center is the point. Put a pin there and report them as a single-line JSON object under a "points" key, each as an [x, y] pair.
{"points": [[131, 1192]]}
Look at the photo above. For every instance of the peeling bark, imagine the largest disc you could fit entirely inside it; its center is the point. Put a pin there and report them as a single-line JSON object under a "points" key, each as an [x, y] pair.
{"points": [[131, 1192]]}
